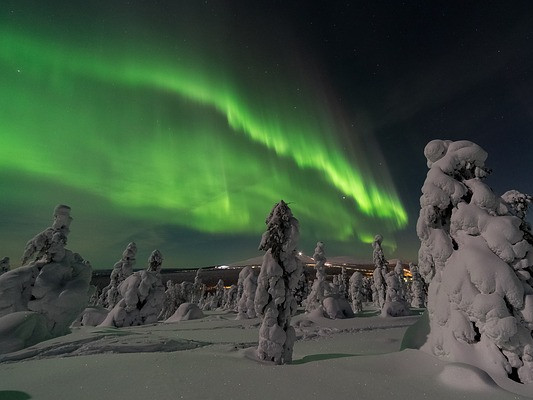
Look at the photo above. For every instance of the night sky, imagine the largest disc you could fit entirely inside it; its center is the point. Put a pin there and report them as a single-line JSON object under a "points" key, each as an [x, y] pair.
{"points": [[179, 124]]}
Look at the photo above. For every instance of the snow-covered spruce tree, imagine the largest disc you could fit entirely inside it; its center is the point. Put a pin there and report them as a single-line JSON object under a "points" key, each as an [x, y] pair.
{"points": [[367, 289], [477, 258], [41, 299], [245, 305], [356, 292], [280, 273], [170, 304], [398, 271], [218, 296], [123, 268], [418, 288], [318, 289], [302, 289], [4, 265], [230, 298], [379, 272], [143, 295], [198, 289], [343, 280]]}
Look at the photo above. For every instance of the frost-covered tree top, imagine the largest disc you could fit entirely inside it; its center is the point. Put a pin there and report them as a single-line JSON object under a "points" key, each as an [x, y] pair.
{"points": [[319, 256], [478, 256], [378, 256], [4, 265], [58, 232]]}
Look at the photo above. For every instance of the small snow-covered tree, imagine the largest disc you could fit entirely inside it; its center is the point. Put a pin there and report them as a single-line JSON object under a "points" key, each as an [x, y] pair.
{"points": [[245, 305], [279, 276], [418, 289], [123, 268], [170, 304], [230, 298], [356, 292], [143, 295], [478, 257], [318, 289], [198, 288], [379, 272], [302, 289], [4, 265], [218, 296]]}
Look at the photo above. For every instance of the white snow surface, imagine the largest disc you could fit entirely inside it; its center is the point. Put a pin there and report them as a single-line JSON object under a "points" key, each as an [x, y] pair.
{"points": [[214, 358]]}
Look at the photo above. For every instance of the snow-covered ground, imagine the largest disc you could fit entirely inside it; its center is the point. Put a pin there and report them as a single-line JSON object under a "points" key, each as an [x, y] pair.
{"points": [[214, 358]]}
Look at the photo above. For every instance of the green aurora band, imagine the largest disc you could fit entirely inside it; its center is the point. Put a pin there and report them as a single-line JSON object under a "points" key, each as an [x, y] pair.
{"points": [[182, 139]]}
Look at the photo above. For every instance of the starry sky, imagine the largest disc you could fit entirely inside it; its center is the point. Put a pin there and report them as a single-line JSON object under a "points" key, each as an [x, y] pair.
{"points": [[179, 124]]}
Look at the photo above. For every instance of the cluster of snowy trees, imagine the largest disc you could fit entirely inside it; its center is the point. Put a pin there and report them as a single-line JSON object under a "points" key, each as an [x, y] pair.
{"points": [[40, 299]]}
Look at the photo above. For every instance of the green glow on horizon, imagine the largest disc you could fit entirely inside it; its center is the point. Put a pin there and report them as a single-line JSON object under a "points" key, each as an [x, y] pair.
{"points": [[180, 142]]}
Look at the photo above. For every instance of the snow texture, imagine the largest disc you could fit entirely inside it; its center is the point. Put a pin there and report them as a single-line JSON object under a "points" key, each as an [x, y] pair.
{"points": [[279, 276], [477, 254], [4, 265], [40, 300], [143, 295]]}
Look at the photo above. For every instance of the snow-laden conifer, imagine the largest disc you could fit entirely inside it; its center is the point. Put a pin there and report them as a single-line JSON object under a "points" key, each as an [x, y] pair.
{"points": [[477, 257], [245, 305], [380, 271], [418, 288], [356, 291], [318, 289], [279, 276]]}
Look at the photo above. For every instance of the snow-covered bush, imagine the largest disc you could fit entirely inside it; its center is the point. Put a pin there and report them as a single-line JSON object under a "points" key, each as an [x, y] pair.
{"points": [[356, 291], [477, 257], [395, 305], [337, 307], [279, 276], [42, 298], [4, 265], [380, 272], [143, 295], [418, 289], [318, 289], [246, 306]]}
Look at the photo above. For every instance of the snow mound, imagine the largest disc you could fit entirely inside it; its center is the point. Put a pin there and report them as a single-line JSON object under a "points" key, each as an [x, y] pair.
{"points": [[186, 312], [466, 377]]}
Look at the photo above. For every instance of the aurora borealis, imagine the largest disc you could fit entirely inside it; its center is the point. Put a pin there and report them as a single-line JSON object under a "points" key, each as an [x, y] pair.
{"points": [[179, 126]]}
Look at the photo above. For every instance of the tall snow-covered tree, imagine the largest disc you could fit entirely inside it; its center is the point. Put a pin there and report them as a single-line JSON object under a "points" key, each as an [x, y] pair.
{"points": [[198, 288], [379, 272], [318, 289], [478, 258], [279, 276], [418, 289], [245, 305]]}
